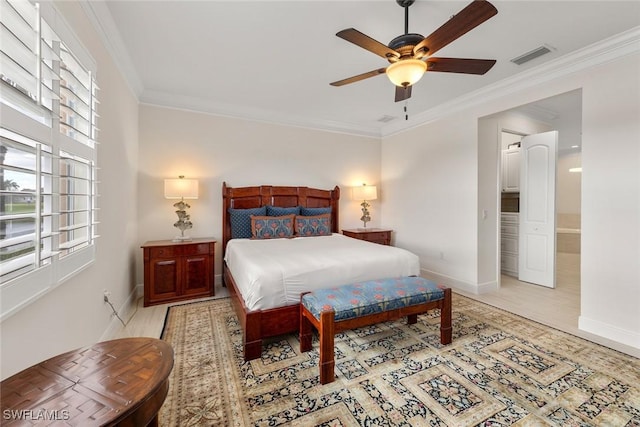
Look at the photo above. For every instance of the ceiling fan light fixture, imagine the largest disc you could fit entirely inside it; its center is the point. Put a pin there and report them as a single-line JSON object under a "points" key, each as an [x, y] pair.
{"points": [[406, 72]]}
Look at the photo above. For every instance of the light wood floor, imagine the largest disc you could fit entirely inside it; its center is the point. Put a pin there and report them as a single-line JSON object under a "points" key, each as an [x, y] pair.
{"points": [[558, 308], [149, 321]]}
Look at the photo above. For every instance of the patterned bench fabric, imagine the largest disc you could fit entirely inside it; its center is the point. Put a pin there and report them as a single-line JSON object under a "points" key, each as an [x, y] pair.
{"points": [[374, 296]]}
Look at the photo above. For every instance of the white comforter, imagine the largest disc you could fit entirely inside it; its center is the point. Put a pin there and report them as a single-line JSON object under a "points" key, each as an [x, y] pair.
{"points": [[272, 273]]}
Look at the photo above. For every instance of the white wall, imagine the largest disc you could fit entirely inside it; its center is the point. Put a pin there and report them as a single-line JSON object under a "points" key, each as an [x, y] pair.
{"points": [[568, 189], [610, 271], [74, 315], [430, 178], [214, 149], [438, 184]]}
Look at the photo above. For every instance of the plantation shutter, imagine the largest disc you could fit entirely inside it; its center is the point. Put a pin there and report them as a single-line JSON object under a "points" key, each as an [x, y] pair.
{"points": [[25, 213], [48, 191]]}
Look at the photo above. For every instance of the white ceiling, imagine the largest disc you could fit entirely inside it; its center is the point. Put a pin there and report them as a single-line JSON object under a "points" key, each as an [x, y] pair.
{"points": [[273, 60]]}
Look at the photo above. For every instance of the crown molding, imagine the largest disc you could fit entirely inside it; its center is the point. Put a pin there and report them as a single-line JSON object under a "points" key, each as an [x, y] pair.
{"points": [[102, 21], [201, 105], [610, 49]]}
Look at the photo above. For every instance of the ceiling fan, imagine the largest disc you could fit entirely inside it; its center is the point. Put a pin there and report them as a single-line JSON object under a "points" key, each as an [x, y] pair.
{"points": [[410, 54]]}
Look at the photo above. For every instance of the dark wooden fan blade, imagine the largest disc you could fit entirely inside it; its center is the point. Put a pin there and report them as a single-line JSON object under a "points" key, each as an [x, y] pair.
{"points": [[460, 65], [403, 92], [359, 77], [466, 20], [364, 41]]}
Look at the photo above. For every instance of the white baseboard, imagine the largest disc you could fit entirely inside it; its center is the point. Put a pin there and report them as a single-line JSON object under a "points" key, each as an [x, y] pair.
{"points": [[454, 283], [609, 332], [486, 287]]}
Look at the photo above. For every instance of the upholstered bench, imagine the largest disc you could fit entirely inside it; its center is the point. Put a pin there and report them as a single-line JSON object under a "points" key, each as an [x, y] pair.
{"points": [[360, 304]]}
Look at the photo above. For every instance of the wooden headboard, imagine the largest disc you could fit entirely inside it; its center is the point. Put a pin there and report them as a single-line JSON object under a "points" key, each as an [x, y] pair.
{"points": [[255, 197]]}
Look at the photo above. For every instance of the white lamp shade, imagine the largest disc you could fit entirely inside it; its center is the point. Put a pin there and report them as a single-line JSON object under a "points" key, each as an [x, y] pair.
{"points": [[406, 71], [364, 192], [181, 188]]}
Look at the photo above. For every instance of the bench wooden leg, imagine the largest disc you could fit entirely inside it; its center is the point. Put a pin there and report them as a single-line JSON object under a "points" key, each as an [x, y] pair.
{"points": [[327, 331], [306, 332], [412, 319], [445, 318]]}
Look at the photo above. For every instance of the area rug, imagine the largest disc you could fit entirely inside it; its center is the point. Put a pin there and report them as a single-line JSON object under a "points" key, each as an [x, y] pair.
{"points": [[500, 370]]}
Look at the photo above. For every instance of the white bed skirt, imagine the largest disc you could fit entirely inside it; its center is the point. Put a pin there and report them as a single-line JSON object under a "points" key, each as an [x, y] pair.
{"points": [[273, 273]]}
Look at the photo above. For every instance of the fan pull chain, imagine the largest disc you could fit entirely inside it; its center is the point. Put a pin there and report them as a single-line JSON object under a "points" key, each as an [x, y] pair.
{"points": [[406, 115]]}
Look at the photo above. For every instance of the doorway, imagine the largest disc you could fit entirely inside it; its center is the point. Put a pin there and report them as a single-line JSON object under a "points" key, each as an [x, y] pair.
{"points": [[559, 307]]}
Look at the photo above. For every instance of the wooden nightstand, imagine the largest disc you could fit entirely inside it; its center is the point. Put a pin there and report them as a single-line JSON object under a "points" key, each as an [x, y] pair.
{"points": [[374, 235], [176, 271]]}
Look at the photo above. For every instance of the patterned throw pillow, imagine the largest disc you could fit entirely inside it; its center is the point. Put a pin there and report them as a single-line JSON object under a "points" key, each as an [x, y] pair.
{"points": [[272, 227], [314, 211], [240, 220], [319, 225], [278, 211]]}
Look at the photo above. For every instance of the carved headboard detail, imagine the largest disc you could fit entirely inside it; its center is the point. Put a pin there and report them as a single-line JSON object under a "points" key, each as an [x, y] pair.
{"points": [[282, 196]]}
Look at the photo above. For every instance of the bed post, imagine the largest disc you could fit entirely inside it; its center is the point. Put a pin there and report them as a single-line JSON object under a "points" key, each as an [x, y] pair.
{"points": [[335, 209], [253, 336], [226, 226], [445, 318]]}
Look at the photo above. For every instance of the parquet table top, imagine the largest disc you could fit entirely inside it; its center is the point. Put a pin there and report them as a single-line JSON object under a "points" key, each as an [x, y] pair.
{"points": [[121, 382]]}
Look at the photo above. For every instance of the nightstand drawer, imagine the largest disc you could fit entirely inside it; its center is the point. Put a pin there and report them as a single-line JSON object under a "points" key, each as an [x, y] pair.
{"points": [[164, 252], [184, 249], [374, 235], [199, 249], [378, 237]]}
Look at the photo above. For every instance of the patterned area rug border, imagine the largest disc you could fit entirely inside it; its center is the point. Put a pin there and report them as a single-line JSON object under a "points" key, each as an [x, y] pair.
{"points": [[501, 369]]}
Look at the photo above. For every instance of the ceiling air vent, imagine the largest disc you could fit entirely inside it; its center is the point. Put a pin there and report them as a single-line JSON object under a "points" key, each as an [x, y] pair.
{"points": [[533, 54], [386, 119]]}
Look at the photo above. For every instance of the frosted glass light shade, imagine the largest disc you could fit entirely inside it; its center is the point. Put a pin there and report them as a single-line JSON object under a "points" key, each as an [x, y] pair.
{"points": [[406, 71], [181, 188], [364, 192]]}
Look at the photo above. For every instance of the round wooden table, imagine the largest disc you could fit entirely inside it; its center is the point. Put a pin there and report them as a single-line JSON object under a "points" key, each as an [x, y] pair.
{"points": [[122, 382]]}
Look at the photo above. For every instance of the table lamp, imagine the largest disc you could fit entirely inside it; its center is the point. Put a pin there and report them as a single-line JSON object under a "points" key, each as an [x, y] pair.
{"points": [[365, 193], [181, 188]]}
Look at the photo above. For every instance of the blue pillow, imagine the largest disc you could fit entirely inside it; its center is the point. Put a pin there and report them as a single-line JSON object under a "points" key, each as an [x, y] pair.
{"points": [[272, 227], [314, 211], [240, 220], [319, 225], [278, 211]]}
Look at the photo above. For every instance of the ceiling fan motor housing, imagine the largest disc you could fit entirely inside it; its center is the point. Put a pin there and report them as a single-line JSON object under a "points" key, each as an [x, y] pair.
{"points": [[404, 44], [405, 3]]}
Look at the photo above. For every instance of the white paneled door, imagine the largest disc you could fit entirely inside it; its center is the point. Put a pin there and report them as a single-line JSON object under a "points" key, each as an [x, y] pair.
{"points": [[537, 251]]}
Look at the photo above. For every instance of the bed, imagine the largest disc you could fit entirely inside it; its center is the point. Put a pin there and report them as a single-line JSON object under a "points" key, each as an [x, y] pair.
{"points": [[265, 277]]}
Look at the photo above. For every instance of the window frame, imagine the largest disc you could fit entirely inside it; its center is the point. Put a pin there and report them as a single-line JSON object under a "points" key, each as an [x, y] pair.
{"points": [[42, 122]]}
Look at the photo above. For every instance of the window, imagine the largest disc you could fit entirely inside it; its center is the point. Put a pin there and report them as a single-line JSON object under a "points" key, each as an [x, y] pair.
{"points": [[48, 209]]}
